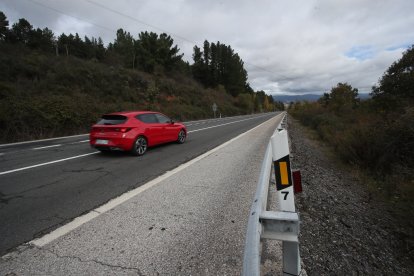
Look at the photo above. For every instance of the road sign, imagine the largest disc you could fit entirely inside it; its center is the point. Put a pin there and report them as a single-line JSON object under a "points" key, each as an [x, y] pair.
{"points": [[214, 106]]}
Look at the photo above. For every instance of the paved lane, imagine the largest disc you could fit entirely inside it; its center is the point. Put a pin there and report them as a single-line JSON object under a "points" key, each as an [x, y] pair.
{"points": [[37, 200]]}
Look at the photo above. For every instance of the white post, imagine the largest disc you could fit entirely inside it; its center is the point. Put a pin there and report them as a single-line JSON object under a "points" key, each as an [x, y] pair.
{"points": [[284, 186]]}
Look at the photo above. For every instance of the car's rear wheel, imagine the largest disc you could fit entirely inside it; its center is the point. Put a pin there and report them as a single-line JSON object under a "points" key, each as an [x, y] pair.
{"points": [[181, 136], [140, 146]]}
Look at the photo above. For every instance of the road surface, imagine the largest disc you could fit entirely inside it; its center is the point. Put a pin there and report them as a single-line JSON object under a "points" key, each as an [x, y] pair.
{"points": [[45, 184]]}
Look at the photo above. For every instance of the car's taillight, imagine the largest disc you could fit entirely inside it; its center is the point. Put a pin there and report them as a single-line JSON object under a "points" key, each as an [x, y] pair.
{"points": [[123, 129]]}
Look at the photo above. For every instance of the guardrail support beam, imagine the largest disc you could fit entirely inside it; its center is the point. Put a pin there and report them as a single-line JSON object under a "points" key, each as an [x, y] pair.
{"points": [[283, 226]]}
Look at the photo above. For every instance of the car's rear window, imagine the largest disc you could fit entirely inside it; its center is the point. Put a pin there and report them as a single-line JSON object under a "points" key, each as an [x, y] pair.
{"points": [[112, 120]]}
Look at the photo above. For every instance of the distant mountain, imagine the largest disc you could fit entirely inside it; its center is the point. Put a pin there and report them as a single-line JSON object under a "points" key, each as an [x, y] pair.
{"points": [[307, 97], [295, 98]]}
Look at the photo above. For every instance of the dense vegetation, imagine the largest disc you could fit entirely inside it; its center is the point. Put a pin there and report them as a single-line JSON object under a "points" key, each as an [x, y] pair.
{"points": [[51, 86], [377, 135]]}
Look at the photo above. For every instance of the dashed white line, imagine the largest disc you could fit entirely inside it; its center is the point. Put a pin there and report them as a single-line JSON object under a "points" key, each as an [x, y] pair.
{"points": [[47, 163], [42, 140], [79, 142], [46, 147]]}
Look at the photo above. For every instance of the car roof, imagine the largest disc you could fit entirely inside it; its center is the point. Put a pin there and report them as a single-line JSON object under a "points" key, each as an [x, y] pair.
{"points": [[131, 113]]}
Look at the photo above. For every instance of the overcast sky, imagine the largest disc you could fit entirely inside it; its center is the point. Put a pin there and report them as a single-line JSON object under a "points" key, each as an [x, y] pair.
{"points": [[289, 47]]}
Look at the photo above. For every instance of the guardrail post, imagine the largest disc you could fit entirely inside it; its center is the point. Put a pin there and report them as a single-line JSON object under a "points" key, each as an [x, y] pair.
{"points": [[284, 186]]}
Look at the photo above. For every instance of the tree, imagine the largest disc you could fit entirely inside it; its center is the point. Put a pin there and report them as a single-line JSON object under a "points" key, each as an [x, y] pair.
{"points": [[200, 69], [99, 49], [245, 101], [4, 26], [21, 31], [342, 98], [259, 99], [167, 54], [396, 87], [324, 100], [217, 65], [266, 104], [41, 39], [72, 45], [155, 50], [63, 42], [280, 105], [125, 46]]}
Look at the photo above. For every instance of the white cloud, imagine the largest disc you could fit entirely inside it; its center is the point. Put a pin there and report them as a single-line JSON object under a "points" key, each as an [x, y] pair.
{"points": [[288, 46], [68, 25]]}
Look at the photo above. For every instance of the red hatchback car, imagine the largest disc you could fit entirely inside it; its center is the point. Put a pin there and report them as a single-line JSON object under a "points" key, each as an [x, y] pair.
{"points": [[135, 131]]}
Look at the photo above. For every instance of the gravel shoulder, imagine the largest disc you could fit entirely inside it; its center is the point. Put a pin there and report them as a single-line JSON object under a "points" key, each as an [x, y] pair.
{"points": [[345, 229]]}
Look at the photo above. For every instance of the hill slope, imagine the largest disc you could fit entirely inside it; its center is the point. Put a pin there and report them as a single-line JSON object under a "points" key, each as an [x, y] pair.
{"points": [[43, 95]]}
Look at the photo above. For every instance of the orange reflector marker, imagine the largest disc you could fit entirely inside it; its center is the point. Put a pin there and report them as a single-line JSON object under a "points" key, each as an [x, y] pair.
{"points": [[284, 179], [283, 174]]}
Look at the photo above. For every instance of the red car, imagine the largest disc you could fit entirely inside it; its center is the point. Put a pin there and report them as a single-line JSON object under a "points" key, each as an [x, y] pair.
{"points": [[135, 131]]}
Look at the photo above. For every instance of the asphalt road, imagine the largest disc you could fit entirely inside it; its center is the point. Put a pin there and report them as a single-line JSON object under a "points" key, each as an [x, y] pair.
{"points": [[45, 184]]}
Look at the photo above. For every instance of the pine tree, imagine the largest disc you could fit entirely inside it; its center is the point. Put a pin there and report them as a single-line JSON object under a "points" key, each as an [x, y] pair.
{"points": [[4, 26], [396, 87]]}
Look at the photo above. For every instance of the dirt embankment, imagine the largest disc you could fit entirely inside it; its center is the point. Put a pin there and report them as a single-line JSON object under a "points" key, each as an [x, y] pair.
{"points": [[345, 230]]}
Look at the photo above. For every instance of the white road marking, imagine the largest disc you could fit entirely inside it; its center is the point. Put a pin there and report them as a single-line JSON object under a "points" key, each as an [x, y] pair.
{"points": [[46, 147], [79, 142], [223, 124], [85, 134], [47, 163], [63, 230], [34, 141], [78, 156]]}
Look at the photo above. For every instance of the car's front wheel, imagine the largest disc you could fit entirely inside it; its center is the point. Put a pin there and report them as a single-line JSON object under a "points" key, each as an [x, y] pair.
{"points": [[140, 146], [181, 136]]}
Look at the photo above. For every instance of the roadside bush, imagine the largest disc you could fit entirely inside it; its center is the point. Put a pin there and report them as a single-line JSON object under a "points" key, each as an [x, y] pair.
{"points": [[382, 147]]}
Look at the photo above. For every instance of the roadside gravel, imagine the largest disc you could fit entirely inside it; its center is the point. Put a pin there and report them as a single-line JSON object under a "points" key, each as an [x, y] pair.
{"points": [[344, 230]]}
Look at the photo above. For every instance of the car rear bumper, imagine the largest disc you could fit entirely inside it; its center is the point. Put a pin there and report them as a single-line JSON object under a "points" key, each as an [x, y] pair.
{"points": [[115, 143]]}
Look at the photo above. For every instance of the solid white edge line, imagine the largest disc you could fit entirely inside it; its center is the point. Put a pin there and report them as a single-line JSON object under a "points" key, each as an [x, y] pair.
{"points": [[47, 163], [46, 147], [63, 230]]}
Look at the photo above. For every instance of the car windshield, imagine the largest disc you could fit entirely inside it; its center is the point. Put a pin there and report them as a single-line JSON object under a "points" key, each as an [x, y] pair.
{"points": [[112, 120]]}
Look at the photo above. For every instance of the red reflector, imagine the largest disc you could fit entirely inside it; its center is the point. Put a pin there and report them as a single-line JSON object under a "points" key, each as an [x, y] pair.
{"points": [[297, 181]]}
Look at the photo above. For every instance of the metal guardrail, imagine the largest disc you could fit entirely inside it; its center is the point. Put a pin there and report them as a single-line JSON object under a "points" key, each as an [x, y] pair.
{"points": [[282, 225]]}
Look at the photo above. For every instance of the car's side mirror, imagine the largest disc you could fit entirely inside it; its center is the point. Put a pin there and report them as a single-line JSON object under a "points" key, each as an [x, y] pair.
{"points": [[172, 122]]}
